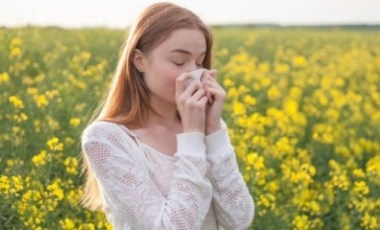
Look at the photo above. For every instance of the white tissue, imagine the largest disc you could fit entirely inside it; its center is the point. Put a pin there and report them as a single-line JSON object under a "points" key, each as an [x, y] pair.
{"points": [[196, 74]]}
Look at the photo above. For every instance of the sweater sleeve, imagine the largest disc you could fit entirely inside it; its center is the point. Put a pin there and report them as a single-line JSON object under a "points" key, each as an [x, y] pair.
{"points": [[234, 206], [129, 190]]}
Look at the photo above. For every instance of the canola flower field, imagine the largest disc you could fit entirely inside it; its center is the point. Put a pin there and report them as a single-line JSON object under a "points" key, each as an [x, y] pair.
{"points": [[303, 111]]}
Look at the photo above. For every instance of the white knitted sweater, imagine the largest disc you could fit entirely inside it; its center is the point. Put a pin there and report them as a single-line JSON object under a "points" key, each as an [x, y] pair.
{"points": [[199, 188]]}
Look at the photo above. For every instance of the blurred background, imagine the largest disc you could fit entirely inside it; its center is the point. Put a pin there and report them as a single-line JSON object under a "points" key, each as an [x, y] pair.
{"points": [[119, 13], [303, 105]]}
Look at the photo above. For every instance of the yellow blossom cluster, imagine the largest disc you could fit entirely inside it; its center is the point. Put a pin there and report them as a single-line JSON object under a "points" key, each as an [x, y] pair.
{"points": [[302, 109], [304, 123]]}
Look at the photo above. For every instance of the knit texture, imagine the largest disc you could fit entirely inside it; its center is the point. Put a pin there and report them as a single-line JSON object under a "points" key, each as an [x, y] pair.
{"points": [[199, 188]]}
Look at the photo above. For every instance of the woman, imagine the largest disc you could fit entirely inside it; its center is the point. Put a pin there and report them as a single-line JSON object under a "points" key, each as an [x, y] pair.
{"points": [[158, 155]]}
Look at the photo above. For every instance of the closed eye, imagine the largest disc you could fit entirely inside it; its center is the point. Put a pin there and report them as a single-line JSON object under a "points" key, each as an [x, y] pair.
{"points": [[178, 64]]}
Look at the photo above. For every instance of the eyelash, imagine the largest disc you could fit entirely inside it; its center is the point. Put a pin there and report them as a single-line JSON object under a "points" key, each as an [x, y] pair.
{"points": [[181, 64], [178, 64]]}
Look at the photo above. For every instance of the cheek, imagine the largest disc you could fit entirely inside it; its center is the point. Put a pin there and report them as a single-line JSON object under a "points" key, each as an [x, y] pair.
{"points": [[165, 75], [169, 73]]}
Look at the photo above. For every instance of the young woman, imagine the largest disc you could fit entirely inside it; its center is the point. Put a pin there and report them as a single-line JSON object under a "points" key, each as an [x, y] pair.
{"points": [[158, 155]]}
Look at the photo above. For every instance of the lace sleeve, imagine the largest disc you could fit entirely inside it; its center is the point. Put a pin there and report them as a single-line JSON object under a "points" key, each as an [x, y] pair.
{"points": [[234, 207], [130, 191]]}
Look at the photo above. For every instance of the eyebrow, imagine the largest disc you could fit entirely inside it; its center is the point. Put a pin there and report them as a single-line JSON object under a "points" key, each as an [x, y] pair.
{"points": [[184, 51]]}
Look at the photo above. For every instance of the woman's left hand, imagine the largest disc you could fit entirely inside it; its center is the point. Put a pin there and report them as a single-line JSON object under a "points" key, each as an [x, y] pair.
{"points": [[216, 96]]}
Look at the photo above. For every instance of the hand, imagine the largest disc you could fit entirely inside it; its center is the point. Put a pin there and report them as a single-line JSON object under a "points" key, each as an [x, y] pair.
{"points": [[191, 102], [216, 96]]}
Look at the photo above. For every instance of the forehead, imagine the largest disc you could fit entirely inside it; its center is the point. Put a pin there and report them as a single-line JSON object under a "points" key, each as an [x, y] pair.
{"points": [[192, 40]]}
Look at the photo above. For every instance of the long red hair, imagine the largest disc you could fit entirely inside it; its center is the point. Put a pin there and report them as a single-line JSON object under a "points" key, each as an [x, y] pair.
{"points": [[127, 99]]}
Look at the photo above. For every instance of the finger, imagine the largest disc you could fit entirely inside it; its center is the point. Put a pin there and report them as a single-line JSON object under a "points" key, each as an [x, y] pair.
{"points": [[192, 88], [209, 96], [207, 84], [203, 101], [198, 94], [210, 83], [180, 83], [212, 72], [217, 94], [206, 78]]}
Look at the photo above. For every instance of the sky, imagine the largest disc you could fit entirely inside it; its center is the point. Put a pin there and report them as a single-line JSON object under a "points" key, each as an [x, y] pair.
{"points": [[121, 13]]}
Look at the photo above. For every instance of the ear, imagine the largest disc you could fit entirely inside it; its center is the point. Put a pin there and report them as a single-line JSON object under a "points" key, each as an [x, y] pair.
{"points": [[138, 60]]}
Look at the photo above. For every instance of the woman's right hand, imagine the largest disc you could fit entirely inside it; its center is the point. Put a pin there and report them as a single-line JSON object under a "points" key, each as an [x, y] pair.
{"points": [[191, 102]]}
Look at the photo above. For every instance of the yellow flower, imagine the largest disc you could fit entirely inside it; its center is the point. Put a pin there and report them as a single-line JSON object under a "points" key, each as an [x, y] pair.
{"points": [[41, 101], [232, 93], [39, 77], [265, 82], [228, 82], [67, 224], [11, 185], [248, 99], [40, 159], [284, 146], [5, 185], [4, 78], [16, 130], [56, 190], [272, 187], [15, 42], [264, 67], [314, 207], [74, 122], [16, 102], [301, 222], [32, 91], [260, 141], [52, 123], [20, 117], [324, 133], [74, 196], [321, 97], [52, 93], [15, 52], [238, 108], [37, 126], [69, 141], [291, 107], [242, 90], [89, 226], [299, 61], [71, 164], [253, 159], [54, 144], [373, 169], [361, 188], [85, 55], [266, 201], [358, 173], [273, 93], [369, 222], [282, 68], [341, 181], [17, 184], [332, 114], [295, 93]]}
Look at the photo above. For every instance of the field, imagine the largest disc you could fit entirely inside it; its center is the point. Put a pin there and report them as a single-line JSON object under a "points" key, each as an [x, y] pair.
{"points": [[303, 112]]}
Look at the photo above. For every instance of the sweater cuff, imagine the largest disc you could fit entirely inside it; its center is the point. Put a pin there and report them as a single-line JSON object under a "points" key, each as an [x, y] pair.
{"points": [[191, 144], [218, 142]]}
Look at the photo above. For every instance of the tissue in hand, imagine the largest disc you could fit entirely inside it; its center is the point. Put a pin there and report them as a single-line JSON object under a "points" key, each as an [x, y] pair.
{"points": [[196, 74]]}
